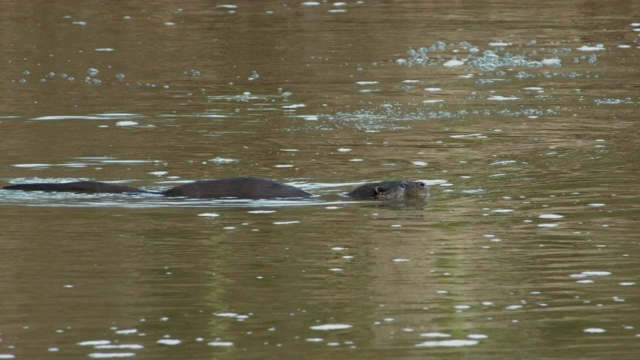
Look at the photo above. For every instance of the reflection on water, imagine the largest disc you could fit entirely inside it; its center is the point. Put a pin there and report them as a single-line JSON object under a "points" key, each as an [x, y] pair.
{"points": [[522, 123]]}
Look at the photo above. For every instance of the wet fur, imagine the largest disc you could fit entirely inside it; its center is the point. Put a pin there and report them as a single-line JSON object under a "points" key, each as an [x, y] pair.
{"points": [[394, 189]]}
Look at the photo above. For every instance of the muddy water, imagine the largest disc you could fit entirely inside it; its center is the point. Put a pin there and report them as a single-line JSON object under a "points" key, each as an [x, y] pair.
{"points": [[523, 119]]}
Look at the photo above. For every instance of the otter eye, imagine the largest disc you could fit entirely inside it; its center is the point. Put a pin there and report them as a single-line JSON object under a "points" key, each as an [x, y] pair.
{"points": [[422, 184]]}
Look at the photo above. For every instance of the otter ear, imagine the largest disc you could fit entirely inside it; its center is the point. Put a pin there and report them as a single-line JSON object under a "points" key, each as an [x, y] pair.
{"points": [[378, 190]]}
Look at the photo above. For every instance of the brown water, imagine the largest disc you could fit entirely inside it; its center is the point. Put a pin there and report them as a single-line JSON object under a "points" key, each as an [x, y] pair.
{"points": [[527, 248]]}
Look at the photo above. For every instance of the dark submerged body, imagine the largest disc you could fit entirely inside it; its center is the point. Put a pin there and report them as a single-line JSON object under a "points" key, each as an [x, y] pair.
{"points": [[90, 187], [235, 188]]}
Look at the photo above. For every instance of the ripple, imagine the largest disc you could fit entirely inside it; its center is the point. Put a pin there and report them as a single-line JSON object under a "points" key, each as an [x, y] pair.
{"points": [[550, 216], [211, 215], [590, 273], [435, 335], [220, 160], [328, 327], [502, 98], [110, 355], [120, 346], [228, 314], [220, 343], [94, 342], [594, 330], [598, 47], [448, 343], [169, 342], [453, 63], [502, 211], [126, 123]]}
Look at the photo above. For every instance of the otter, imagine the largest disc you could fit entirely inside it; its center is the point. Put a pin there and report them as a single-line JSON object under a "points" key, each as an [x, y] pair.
{"points": [[235, 188], [389, 190]]}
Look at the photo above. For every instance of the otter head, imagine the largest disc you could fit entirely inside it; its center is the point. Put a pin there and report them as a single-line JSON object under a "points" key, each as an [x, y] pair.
{"points": [[399, 190]]}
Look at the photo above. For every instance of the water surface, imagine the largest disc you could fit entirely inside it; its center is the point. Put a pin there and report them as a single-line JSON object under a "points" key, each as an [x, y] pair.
{"points": [[522, 119]]}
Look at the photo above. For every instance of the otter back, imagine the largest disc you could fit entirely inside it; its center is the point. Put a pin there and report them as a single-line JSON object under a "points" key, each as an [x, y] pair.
{"points": [[92, 187], [237, 188]]}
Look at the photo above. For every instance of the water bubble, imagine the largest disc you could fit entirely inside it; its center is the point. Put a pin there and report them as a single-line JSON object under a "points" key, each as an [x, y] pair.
{"points": [[254, 76]]}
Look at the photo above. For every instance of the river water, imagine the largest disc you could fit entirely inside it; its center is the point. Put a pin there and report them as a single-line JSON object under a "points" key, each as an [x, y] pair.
{"points": [[521, 117]]}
